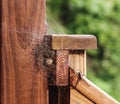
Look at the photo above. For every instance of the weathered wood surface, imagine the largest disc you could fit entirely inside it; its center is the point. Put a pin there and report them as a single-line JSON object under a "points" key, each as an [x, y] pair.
{"points": [[90, 90], [73, 42], [78, 98], [22, 76]]}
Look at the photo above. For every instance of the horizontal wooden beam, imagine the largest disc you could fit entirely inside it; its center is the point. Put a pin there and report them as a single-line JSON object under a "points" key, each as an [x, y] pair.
{"points": [[73, 42], [90, 90]]}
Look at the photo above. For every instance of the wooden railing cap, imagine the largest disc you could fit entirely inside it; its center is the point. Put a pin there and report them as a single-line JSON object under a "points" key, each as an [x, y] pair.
{"points": [[73, 42]]}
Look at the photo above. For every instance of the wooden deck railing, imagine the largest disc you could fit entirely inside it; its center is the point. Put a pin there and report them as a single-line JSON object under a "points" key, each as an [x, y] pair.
{"points": [[33, 63], [83, 90], [89, 90]]}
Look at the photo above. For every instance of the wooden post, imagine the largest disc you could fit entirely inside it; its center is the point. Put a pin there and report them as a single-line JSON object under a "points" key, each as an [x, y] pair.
{"points": [[56, 63], [23, 79], [74, 46]]}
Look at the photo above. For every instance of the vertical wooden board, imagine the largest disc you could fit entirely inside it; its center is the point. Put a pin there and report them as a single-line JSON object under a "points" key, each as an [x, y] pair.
{"points": [[59, 91], [23, 79], [77, 61], [57, 67], [62, 68]]}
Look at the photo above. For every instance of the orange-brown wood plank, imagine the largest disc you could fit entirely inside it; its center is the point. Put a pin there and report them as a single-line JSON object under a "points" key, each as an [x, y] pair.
{"points": [[77, 61], [62, 68], [57, 66], [91, 91], [73, 42], [23, 78], [78, 98], [58, 74], [56, 63]]}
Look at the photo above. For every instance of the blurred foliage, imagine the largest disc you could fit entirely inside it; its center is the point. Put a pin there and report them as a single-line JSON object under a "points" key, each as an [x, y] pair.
{"points": [[98, 17]]}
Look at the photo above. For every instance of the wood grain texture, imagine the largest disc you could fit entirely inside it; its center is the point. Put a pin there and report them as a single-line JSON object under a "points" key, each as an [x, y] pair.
{"points": [[77, 61], [78, 98], [62, 68], [56, 63], [59, 91], [73, 42], [59, 72], [23, 26], [90, 90]]}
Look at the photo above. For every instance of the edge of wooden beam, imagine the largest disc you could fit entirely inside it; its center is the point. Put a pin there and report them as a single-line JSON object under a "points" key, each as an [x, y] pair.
{"points": [[90, 90], [76, 96], [73, 42]]}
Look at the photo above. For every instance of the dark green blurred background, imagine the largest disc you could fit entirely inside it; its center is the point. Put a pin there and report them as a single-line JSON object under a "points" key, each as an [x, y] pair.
{"points": [[98, 17]]}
